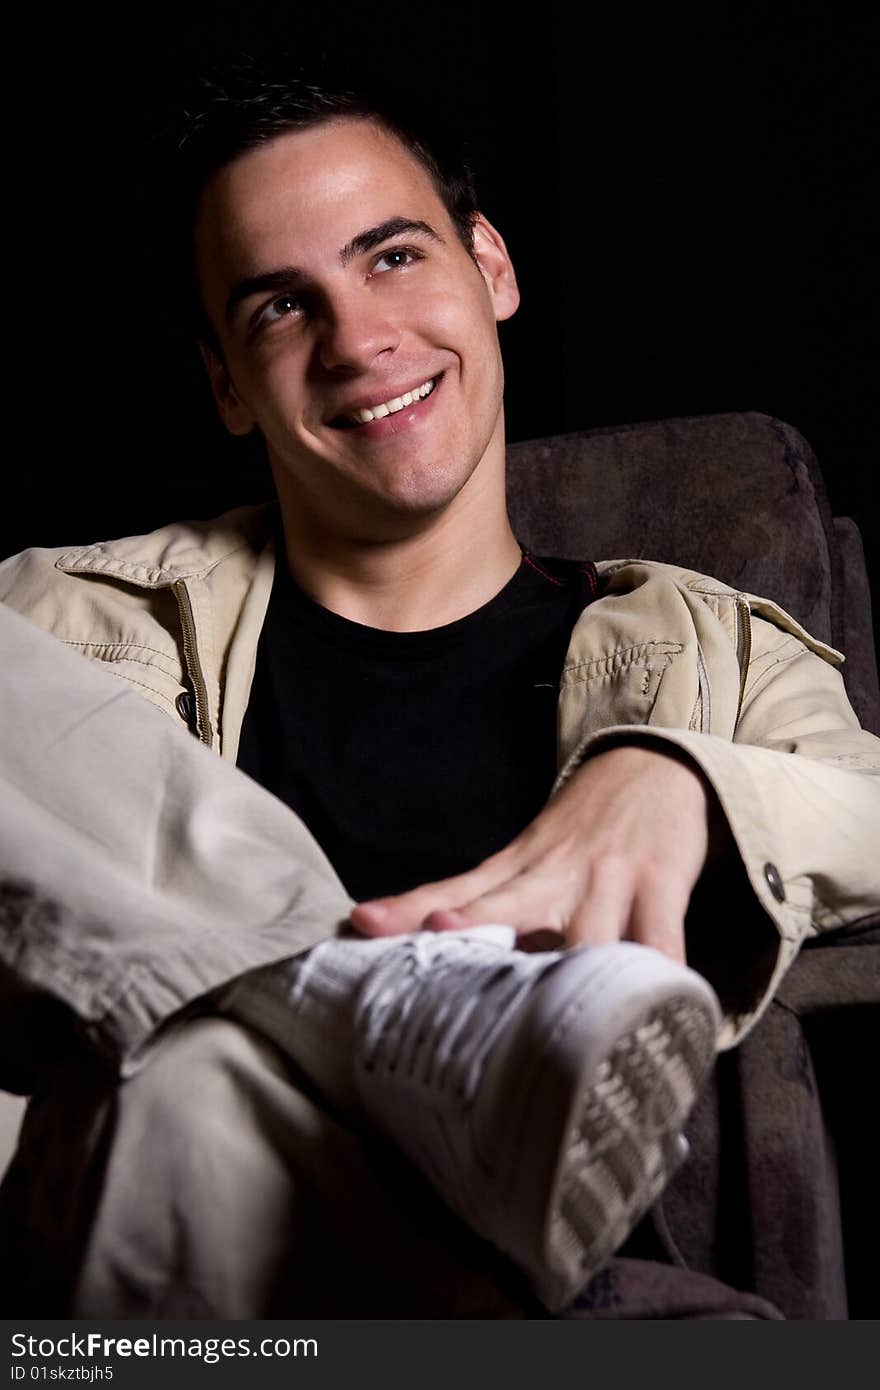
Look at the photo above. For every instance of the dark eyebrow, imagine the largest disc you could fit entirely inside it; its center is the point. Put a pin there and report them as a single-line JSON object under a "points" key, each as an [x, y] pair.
{"points": [[287, 277], [393, 226]]}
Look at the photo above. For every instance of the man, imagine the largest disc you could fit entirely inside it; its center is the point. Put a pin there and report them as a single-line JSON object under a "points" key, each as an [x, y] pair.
{"points": [[367, 664]]}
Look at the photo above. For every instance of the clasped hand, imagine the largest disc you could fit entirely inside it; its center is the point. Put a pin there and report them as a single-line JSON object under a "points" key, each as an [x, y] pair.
{"points": [[613, 856]]}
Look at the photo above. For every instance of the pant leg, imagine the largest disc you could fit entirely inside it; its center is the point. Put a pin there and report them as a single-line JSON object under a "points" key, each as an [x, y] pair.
{"points": [[137, 873], [137, 870], [210, 1184]]}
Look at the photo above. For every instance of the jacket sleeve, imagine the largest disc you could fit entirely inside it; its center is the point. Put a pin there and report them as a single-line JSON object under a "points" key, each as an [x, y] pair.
{"points": [[138, 872], [799, 785]]}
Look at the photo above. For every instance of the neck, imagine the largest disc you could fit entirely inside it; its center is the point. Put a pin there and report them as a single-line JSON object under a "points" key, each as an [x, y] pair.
{"points": [[444, 567]]}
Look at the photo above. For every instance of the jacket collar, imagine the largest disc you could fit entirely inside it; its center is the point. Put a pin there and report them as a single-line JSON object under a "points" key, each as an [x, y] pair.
{"points": [[183, 550]]}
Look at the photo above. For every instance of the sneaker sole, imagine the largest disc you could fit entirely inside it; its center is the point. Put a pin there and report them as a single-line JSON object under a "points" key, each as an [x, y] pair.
{"points": [[616, 1092], [615, 1165]]}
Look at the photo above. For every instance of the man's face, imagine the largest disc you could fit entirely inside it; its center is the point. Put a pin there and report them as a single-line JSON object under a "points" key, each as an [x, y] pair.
{"points": [[322, 307]]}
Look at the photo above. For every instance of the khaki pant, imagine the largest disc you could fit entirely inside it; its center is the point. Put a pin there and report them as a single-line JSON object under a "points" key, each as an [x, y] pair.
{"points": [[210, 1184]]}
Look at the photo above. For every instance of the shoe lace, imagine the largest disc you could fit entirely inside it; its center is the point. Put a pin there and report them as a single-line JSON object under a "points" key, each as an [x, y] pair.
{"points": [[435, 1015]]}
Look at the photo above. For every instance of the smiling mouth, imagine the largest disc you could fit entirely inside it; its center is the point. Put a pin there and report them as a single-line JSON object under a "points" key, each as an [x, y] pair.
{"points": [[356, 419]]}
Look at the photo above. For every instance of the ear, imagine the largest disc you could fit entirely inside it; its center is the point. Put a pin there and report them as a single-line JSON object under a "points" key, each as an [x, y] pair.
{"points": [[497, 267], [231, 408]]}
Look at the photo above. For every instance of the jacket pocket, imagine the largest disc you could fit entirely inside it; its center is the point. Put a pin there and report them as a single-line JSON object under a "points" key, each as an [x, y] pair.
{"points": [[622, 687]]}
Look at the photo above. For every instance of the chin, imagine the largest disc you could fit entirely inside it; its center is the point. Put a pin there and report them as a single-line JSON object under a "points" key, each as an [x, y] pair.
{"points": [[420, 494], [395, 516]]}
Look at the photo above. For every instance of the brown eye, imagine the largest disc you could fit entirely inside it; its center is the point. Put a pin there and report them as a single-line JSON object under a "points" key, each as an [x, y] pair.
{"points": [[284, 305], [399, 256]]}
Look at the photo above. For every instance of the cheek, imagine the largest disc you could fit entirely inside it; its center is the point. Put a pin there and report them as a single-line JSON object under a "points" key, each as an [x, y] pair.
{"points": [[271, 385], [477, 334], [462, 322]]}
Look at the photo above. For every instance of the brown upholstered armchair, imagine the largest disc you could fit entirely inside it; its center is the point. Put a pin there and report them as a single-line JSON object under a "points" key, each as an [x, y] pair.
{"points": [[777, 1196]]}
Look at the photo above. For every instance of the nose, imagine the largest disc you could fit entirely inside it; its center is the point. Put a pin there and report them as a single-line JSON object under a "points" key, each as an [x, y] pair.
{"points": [[356, 329]]}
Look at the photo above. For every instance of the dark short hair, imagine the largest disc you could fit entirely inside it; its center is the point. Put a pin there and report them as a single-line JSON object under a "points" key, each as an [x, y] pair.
{"points": [[229, 113]]}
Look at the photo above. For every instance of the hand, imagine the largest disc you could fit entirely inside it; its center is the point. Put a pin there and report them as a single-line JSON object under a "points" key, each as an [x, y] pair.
{"points": [[614, 856]]}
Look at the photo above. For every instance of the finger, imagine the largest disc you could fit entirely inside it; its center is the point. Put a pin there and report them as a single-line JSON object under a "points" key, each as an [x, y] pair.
{"points": [[657, 919], [372, 919], [527, 938], [529, 901], [445, 919], [603, 914], [406, 912]]}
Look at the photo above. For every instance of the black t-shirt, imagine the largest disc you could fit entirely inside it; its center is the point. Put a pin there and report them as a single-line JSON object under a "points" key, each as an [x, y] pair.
{"points": [[412, 756]]}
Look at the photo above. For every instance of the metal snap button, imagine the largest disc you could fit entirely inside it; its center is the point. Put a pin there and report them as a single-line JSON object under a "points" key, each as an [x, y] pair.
{"points": [[774, 882], [185, 706]]}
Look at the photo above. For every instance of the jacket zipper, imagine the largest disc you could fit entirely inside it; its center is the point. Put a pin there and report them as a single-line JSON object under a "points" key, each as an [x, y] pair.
{"points": [[743, 646], [194, 670]]}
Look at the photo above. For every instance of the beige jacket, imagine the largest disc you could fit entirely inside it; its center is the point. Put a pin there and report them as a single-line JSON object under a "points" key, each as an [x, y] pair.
{"points": [[729, 678]]}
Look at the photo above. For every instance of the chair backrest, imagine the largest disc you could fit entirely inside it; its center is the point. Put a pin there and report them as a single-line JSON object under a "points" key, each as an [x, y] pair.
{"points": [[737, 496]]}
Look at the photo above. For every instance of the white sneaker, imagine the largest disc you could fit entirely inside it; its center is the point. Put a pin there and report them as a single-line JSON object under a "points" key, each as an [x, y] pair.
{"points": [[543, 1095]]}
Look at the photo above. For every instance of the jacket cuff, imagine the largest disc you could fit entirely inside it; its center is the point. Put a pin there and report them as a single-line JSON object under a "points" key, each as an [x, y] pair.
{"points": [[747, 967]]}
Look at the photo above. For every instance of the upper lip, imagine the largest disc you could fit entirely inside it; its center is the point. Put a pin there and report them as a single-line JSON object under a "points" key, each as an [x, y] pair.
{"points": [[376, 397]]}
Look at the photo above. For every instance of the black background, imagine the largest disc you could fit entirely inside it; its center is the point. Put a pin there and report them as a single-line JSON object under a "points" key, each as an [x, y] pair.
{"points": [[691, 211]]}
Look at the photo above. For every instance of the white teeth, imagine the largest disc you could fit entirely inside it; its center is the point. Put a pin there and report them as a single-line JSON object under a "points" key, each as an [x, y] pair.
{"points": [[378, 412]]}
